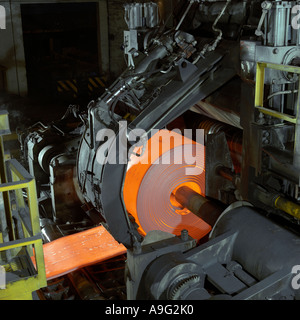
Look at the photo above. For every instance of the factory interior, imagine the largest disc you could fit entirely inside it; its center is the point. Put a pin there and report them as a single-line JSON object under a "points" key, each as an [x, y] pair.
{"points": [[150, 150]]}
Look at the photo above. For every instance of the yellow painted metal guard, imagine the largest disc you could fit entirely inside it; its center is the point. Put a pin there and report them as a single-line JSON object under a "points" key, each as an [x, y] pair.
{"points": [[287, 206], [23, 288], [280, 202], [259, 89]]}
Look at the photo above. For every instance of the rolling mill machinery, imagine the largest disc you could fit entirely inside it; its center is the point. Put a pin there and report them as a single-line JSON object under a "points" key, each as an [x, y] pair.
{"points": [[229, 229]]}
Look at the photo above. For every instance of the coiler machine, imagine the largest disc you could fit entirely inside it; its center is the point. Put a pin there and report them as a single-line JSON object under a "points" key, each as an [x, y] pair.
{"points": [[229, 230]]}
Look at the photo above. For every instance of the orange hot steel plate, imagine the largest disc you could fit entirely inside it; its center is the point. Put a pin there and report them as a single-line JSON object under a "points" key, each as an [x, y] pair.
{"points": [[79, 250]]}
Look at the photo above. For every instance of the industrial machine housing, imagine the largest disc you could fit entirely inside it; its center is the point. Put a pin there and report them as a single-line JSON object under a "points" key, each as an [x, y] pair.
{"points": [[231, 69]]}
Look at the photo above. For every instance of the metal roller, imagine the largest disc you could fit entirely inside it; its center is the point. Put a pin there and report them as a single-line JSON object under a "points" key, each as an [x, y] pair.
{"points": [[262, 246]]}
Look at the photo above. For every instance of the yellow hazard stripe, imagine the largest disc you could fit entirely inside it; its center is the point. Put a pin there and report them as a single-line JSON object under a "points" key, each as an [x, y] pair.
{"points": [[67, 85], [93, 83], [71, 84], [100, 81], [62, 84]]}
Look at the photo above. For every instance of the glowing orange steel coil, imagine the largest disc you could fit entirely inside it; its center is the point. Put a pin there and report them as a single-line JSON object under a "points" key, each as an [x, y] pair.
{"points": [[167, 163]]}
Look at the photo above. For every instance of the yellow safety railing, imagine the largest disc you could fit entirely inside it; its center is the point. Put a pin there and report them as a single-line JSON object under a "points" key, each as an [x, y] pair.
{"points": [[31, 241], [281, 202], [21, 246], [259, 89]]}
